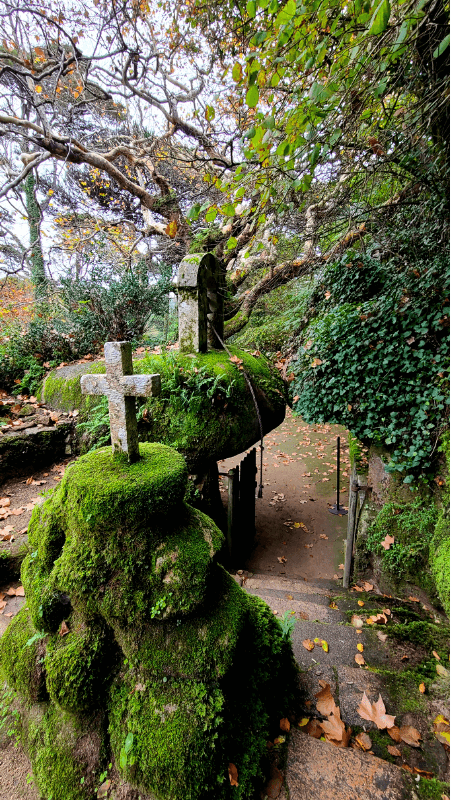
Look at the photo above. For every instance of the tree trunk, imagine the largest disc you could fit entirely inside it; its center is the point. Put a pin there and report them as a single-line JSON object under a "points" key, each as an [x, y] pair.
{"points": [[38, 276]]}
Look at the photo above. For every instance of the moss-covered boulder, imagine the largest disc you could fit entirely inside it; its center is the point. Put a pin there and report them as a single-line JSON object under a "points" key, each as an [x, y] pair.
{"points": [[136, 649], [205, 409]]}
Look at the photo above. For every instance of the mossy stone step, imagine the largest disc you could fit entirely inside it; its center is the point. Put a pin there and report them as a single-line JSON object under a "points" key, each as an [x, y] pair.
{"points": [[23, 451]]}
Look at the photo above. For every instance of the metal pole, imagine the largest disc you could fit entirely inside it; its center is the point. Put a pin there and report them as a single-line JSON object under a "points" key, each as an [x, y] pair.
{"points": [[337, 509]]}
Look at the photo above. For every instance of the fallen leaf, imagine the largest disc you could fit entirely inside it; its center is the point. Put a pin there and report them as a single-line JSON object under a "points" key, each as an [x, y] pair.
{"points": [[382, 636], [436, 655], [393, 750], [20, 591], [304, 721], [281, 559], [441, 729], [63, 629], [387, 542], [5, 502], [11, 591], [444, 673], [360, 603], [284, 725], [356, 621], [279, 740], [314, 729], [325, 646], [364, 741], [359, 659], [367, 587], [308, 644], [394, 733], [233, 775], [333, 605], [325, 702], [410, 735], [360, 647], [102, 791], [341, 566], [414, 599], [323, 536], [422, 688], [375, 712], [356, 588], [424, 773]]}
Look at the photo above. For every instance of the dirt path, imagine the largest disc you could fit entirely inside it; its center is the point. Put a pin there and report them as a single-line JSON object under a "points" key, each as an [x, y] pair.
{"points": [[293, 521]]}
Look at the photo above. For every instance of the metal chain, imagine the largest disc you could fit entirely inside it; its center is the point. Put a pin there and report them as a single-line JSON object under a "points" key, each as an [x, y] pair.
{"points": [[251, 389]]}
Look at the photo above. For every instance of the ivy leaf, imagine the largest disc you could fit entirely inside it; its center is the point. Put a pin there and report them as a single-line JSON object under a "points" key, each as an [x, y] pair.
{"points": [[252, 96], [211, 214], [379, 20]]}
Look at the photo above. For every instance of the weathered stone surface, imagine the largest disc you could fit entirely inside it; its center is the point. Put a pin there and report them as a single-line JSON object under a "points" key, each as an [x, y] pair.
{"points": [[24, 451], [322, 771], [200, 304]]}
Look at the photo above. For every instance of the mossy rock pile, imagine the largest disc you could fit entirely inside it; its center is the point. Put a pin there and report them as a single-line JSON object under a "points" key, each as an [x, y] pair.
{"points": [[137, 658], [205, 409]]}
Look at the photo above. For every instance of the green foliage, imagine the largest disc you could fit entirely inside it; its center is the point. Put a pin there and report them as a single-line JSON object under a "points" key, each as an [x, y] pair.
{"points": [[95, 430], [288, 624], [379, 365], [275, 317], [412, 526], [104, 306]]}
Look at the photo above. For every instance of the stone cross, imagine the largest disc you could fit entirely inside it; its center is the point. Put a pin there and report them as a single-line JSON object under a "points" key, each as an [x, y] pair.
{"points": [[121, 387], [200, 287]]}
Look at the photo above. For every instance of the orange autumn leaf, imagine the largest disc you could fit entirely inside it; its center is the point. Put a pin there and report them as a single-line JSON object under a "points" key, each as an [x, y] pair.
{"points": [[284, 725], [375, 712], [410, 735], [393, 750], [233, 775], [359, 659], [387, 542], [171, 230], [64, 630], [308, 644]]}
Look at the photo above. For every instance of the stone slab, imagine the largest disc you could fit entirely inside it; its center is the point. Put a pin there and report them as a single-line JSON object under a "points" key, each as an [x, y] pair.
{"points": [[320, 771], [22, 452]]}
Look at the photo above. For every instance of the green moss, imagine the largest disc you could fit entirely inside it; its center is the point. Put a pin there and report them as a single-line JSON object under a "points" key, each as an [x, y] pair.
{"points": [[200, 645], [358, 455], [439, 559], [63, 752], [182, 731], [402, 687], [64, 393], [431, 789], [79, 665], [205, 409], [412, 526], [21, 655]]}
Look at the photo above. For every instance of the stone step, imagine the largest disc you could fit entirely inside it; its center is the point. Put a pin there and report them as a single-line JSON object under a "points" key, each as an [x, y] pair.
{"points": [[319, 770], [308, 601]]}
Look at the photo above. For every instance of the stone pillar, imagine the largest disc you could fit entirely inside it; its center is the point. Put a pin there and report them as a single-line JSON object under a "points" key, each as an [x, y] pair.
{"points": [[201, 303]]}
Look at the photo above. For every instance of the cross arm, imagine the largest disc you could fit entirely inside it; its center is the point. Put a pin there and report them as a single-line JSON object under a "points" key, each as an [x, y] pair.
{"points": [[141, 385], [94, 384]]}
